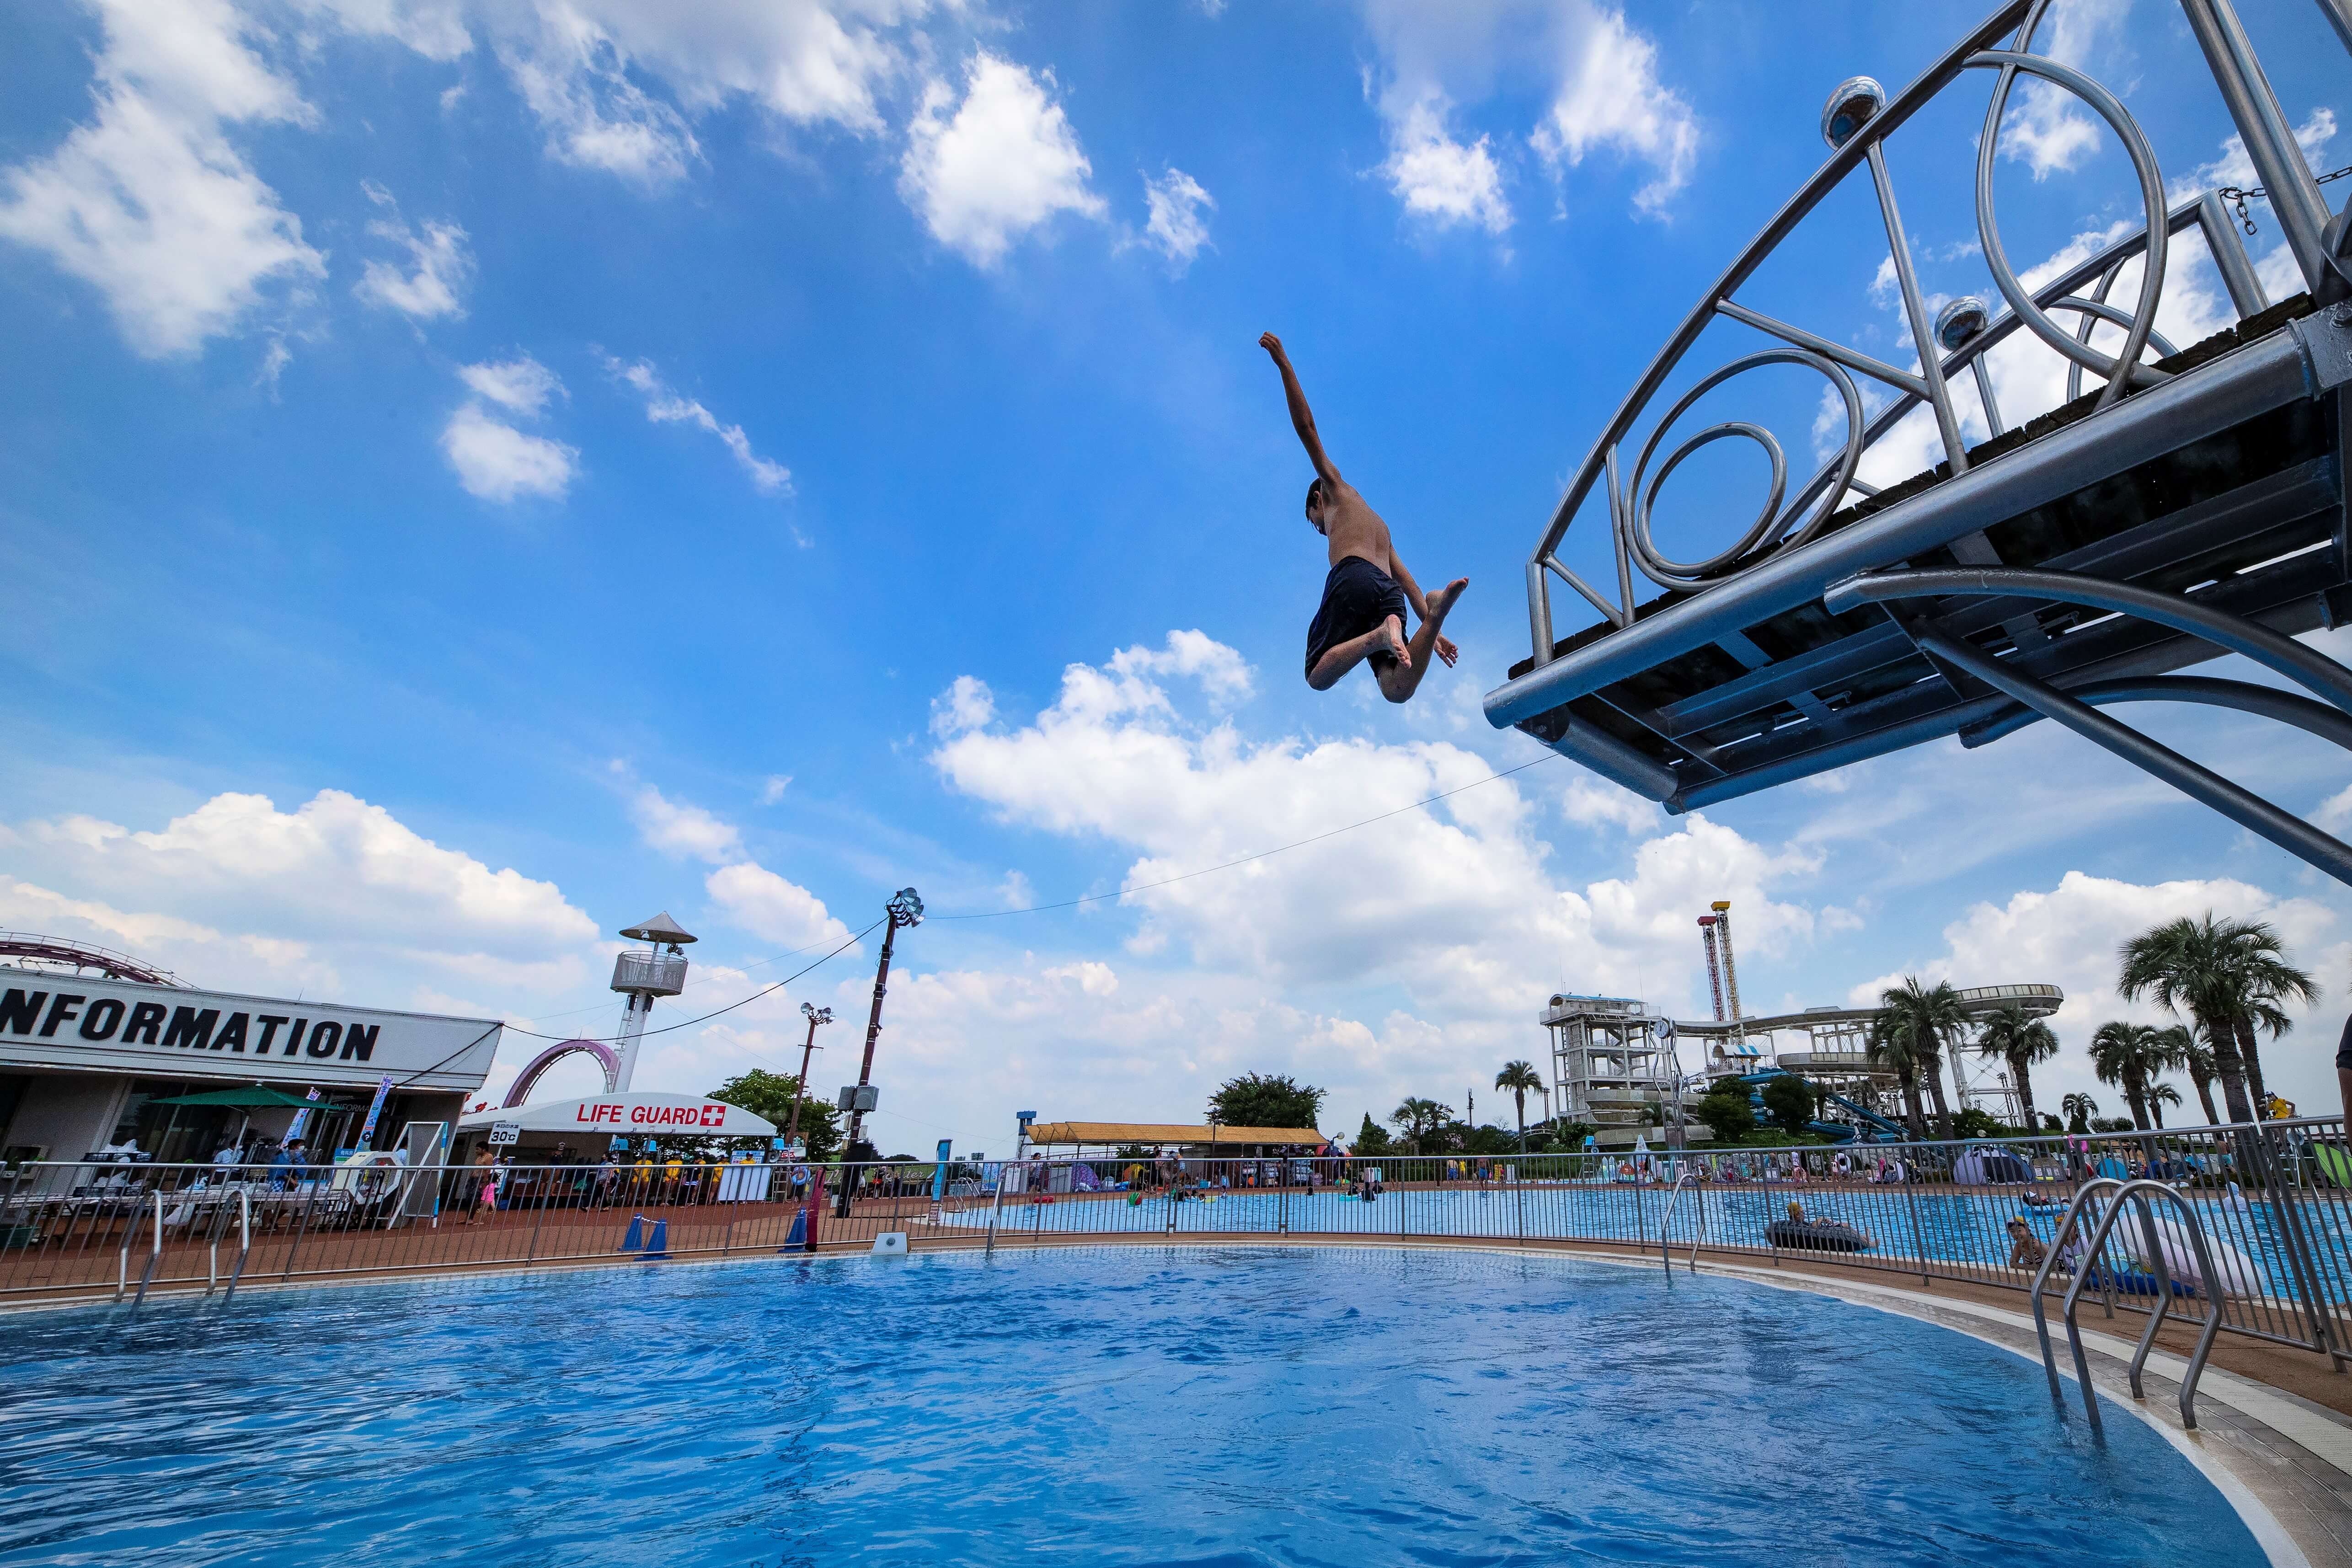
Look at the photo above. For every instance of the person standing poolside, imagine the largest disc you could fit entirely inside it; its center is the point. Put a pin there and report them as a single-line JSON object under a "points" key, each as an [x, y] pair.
{"points": [[1369, 590]]}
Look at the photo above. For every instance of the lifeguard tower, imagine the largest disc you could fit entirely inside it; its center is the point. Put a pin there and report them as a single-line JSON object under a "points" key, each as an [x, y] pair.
{"points": [[1612, 1064], [656, 969]]}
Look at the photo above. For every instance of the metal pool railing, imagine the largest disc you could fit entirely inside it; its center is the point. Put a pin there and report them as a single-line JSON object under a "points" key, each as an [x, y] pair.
{"points": [[2273, 1202]]}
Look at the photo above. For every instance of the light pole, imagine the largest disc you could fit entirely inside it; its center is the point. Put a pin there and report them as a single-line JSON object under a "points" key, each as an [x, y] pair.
{"points": [[905, 908], [815, 1015]]}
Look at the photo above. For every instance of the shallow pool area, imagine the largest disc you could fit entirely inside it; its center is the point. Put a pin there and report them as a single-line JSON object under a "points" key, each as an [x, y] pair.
{"points": [[1131, 1405]]}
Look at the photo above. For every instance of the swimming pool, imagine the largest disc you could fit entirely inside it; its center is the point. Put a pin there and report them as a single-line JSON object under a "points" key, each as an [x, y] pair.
{"points": [[1127, 1406]]}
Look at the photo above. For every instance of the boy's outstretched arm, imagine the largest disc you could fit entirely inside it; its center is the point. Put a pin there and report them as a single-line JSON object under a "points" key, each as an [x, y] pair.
{"points": [[1302, 418]]}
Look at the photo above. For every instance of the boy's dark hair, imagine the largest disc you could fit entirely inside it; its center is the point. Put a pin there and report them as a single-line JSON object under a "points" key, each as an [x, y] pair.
{"points": [[1314, 493]]}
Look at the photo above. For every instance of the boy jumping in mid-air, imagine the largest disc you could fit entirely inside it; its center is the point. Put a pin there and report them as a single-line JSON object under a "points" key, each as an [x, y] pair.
{"points": [[1368, 590]]}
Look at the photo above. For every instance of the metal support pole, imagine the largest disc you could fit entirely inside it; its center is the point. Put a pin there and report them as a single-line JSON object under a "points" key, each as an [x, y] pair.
{"points": [[2262, 125], [2238, 275], [905, 908], [1931, 368], [1911, 1202], [2340, 16], [994, 1210], [2241, 805]]}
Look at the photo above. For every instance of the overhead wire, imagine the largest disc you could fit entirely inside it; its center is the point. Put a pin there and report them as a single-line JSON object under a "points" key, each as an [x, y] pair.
{"points": [[668, 1028]]}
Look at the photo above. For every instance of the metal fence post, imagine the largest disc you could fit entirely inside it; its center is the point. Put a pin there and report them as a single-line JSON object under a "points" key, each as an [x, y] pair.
{"points": [[994, 1210], [2273, 1174], [539, 1215], [1911, 1202]]}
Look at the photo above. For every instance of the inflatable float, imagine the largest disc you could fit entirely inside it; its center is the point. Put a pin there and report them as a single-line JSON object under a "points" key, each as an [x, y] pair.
{"points": [[1817, 1236]]}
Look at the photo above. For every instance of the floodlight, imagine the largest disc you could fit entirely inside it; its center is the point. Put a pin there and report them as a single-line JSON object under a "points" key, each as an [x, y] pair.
{"points": [[1959, 321], [906, 908], [1856, 101]]}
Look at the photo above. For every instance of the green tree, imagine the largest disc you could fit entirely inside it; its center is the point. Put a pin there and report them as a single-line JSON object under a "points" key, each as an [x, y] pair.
{"points": [[1914, 1026], [770, 1094], [2016, 1037], [2198, 1062], [1270, 1100], [1371, 1138], [2079, 1110], [2160, 1096], [2130, 1056], [1790, 1101], [2227, 978], [1519, 1079], [1727, 1109], [1420, 1121]]}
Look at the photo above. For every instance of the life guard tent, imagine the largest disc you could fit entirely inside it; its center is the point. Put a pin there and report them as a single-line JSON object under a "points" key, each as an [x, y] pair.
{"points": [[622, 1115]]}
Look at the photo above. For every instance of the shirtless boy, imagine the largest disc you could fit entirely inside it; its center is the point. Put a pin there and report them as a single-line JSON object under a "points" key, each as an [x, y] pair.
{"points": [[1368, 590]]}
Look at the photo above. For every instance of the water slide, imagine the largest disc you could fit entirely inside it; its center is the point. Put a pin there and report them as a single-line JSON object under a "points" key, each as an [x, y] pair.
{"points": [[1880, 1129]]}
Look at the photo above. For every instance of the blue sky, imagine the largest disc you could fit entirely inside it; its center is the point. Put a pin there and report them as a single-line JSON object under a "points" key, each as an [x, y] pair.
{"points": [[477, 473]]}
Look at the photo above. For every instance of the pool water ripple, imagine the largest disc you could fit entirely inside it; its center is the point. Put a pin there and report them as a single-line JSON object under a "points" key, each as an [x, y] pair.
{"points": [[1125, 1407]]}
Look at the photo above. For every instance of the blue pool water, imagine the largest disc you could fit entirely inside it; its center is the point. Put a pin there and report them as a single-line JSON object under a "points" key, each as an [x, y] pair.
{"points": [[1131, 1405]]}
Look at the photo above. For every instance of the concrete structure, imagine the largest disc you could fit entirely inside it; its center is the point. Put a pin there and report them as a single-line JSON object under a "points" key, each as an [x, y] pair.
{"points": [[1613, 1065]]}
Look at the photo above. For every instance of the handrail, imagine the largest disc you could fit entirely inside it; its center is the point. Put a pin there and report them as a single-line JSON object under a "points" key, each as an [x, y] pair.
{"points": [[2252, 108], [1665, 1222], [2134, 1193]]}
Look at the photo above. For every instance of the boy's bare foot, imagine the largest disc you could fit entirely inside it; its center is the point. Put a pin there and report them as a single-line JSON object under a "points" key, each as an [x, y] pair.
{"points": [[1392, 629], [1443, 600]]}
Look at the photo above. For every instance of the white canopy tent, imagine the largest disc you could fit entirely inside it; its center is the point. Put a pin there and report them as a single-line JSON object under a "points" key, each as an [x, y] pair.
{"points": [[630, 1115]]}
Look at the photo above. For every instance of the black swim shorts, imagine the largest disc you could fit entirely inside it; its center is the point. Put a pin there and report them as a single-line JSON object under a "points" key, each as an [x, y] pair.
{"points": [[1357, 597], [2344, 1050]]}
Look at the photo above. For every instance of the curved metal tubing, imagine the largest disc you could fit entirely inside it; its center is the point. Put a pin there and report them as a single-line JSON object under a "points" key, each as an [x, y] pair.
{"points": [[1674, 1197], [2137, 1193], [1842, 163], [2241, 805], [1771, 523], [528, 1080], [2316, 672], [2243, 696], [2125, 368]]}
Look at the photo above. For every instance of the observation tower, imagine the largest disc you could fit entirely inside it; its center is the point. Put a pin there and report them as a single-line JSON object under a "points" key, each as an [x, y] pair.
{"points": [[659, 971]]}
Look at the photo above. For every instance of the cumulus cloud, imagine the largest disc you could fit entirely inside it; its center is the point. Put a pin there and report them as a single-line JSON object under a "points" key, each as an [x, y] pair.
{"points": [[1610, 97], [495, 460], [337, 896], [149, 201], [1600, 81], [2068, 935], [1001, 161], [434, 28], [1177, 227], [771, 908], [966, 705], [574, 77], [438, 266], [2046, 129], [678, 830], [664, 406]]}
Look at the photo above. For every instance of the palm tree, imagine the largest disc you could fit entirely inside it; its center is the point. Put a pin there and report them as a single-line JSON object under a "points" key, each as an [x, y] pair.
{"points": [[1920, 1023], [2158, 1097], [2130, 1056], [2189, 968], [1518, 1078], [1885, 1047], [2020, 1039], [2079, 1108], [1420, 1118], [2258, 960], [2197, 1063]]}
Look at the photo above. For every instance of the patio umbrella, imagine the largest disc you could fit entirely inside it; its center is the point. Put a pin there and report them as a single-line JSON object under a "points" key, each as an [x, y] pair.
{"points": [[247, 1099]]}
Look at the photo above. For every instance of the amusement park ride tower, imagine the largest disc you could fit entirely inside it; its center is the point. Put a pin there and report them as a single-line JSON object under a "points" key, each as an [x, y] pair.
{"points": [[659, 971]]}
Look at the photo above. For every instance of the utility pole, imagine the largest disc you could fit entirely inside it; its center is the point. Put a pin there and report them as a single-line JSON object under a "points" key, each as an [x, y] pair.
{"points": [[815, 1015], [905, 908]]}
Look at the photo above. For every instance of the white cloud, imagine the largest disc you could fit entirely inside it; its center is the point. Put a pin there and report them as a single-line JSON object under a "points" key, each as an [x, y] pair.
{"points": [[1593, 802], [773, 789], [337, 896], [434, 28], [575, 79], [439, 266], [1441, 180], [495, 460], [1177, 228], [1599, 75], [1223, 674], [964, 706], [148, 201], [520, 386], [1610, 97], [664, 407], [2069, 936], [2046, 128], [677, 829], [500, 463], [986, 171], [773, 908]]}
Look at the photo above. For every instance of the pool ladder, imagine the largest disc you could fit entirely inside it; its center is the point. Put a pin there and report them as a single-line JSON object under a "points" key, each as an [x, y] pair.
{"points": [[1665, 1223], [2126, 1195]]}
